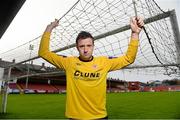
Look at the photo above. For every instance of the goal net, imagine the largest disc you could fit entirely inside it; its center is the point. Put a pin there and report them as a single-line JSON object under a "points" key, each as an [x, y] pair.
{"points": [[108, 22]]}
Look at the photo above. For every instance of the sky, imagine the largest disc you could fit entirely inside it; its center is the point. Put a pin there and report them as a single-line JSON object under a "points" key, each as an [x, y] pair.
{"points": [[34, 16], [31, 21]]}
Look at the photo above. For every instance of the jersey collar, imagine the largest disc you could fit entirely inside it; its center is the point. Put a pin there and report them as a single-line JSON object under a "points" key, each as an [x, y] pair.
{"points": [[86, 60]]}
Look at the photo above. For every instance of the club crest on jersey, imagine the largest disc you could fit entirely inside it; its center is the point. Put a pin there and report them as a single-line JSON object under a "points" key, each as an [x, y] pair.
{"points": [[94, 66]]}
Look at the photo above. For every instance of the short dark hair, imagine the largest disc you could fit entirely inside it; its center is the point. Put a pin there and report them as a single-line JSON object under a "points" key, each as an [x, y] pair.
{"points": [[84, 35]]}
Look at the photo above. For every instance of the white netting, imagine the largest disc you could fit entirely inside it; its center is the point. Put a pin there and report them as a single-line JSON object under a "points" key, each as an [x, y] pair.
{"points": [[100, 17]]}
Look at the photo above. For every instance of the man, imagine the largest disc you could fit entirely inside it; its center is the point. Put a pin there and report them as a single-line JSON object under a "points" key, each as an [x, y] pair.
{"points": [[86, 74]]}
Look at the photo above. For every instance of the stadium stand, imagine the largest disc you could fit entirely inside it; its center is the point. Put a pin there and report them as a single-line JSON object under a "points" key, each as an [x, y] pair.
{"points": [[134, 86], [13, 88], [38, 88], [60, 88], [56, 83], [161, 88]]}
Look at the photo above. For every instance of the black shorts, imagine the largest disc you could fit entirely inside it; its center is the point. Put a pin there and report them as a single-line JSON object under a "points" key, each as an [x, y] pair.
{"points": [[105, 118]]}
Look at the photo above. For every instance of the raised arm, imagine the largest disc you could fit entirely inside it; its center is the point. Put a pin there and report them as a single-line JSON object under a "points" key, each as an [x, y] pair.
{"points": [[51, 26], [44, 51], [44, 44], [136, 24]]}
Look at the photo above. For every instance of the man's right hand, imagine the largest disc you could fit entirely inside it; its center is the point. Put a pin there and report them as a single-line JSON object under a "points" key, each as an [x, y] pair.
{"points": [[51, 26]]}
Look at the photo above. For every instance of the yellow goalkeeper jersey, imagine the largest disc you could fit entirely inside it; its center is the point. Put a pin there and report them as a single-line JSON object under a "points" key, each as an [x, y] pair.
{"points": [[86, 81]]}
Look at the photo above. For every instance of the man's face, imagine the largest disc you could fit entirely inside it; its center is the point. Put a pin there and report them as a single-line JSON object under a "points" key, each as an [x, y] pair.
{"points": [[85, 48]]}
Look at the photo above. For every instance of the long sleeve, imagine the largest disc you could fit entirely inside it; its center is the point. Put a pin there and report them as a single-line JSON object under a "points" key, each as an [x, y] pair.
{"points": [[128, 58], [45, 53]]}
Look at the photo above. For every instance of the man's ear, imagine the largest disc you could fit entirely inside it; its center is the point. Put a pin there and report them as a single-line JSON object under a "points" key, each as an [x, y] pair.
{"points": [[77, 47]]}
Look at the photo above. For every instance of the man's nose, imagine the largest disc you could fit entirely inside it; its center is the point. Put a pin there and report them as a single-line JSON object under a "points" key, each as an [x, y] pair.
{"points": [[85, 49]]}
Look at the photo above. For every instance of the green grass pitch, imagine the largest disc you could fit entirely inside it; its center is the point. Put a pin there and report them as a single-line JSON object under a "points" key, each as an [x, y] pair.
{"points": [[134, 105]]}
